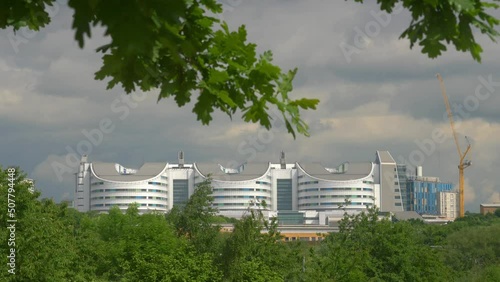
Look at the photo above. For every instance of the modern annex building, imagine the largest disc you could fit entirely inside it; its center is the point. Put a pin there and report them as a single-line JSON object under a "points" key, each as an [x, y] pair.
{"points": [[428, 195], [306, 187]]}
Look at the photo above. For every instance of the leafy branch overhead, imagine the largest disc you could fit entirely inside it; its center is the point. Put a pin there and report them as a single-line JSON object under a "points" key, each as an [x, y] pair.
{"points": [[436, 23], [181, 49]]}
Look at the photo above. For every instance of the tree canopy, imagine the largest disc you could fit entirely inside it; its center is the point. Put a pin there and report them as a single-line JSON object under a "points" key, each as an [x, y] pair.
{"points": [[435, 23], [54, 242], [180, 49]]}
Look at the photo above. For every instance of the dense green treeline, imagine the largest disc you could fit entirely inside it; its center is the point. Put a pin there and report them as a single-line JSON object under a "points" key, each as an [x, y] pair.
{"points": [[56, 243]]}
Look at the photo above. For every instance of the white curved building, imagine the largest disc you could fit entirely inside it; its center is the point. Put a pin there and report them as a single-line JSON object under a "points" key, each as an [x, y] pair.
{"points": [[153, 187], [111, 184], [237, 189], [283, 186], [321, 188]]}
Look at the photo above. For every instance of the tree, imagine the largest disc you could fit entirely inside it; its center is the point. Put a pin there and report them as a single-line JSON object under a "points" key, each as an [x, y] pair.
{"points": [[145, 248], [196, 219], [473, 247], [497, 212], [179, 48], [436, 23], [367, 248], [255, 251], [43, 243]]}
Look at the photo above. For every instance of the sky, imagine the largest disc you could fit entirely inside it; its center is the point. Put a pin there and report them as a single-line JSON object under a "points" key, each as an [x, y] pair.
{"points": [[376, 94]]}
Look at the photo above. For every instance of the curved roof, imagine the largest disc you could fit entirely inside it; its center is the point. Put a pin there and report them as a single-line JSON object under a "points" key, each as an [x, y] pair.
{"points": [[250, 171], [354, 171], [107, 171]]}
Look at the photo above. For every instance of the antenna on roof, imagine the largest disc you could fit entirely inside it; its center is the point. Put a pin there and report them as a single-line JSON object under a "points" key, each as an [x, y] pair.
{"points": [[181, 159], [282, 160]]}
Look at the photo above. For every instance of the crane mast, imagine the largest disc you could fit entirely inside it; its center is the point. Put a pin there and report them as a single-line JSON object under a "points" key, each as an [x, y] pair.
{"points": [[463, 164]]}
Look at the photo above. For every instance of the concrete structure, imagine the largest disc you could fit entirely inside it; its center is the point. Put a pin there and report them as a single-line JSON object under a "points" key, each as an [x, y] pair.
{"points": [[489, 208], [403, 178], [306, 187], [447, 205], [387, 184], [406, 215]]}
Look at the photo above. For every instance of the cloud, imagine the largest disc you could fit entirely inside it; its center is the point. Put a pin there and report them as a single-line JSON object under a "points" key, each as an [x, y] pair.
{"points": [[46, 175], [386, 97]]}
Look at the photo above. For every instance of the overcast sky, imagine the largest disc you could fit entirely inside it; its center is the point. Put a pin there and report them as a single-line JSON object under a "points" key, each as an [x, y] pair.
{"points": [[375, 94]]}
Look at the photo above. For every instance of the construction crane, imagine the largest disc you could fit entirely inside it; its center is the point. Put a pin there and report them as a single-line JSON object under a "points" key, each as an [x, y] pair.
{"points": [[463, 163]]}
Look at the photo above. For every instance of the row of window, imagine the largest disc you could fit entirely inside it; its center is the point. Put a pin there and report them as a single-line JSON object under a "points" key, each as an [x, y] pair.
{"points": [[334, 203], [309, 190], [129, 197], [308, 197], [149, 182], [309, 205], [230, 204], [242, 197], [119, 197], [346, 189], [240, 190], [309, 239], [129, 190], [335, 189], [345, 196], [262, 182], [334, 196], [126, 205], [308, 182], [157, 183]]}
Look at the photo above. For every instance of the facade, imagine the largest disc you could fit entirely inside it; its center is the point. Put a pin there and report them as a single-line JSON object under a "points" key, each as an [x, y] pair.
{"points": [[284, 187], [387, 184], [448, 204], [403, 178], [424, 193], [489, 208]]}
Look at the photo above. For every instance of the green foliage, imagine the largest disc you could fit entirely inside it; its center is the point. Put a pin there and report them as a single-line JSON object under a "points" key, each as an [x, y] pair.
{"points": [[255, 251], [489, 273], [24, 13], [472, 248], [436, 23], [195, 220], [146, 249], [369, 248], [179, 49], [57, 243], [43, 242]]}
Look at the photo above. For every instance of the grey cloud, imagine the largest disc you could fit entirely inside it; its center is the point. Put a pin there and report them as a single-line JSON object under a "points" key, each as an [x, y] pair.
{"points": [[386, 79]]}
